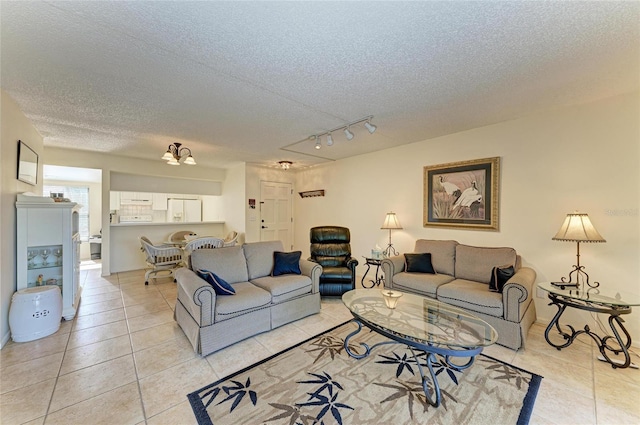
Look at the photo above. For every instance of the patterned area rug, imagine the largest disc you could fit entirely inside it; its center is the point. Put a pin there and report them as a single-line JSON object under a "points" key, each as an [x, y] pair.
{"points": [[316, 382]]}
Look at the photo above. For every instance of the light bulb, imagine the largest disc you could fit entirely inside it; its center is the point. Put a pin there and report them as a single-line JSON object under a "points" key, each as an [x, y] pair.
{"points": [[329, 140], [348, 134]]}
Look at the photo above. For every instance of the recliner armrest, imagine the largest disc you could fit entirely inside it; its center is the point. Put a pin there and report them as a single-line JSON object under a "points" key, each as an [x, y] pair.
{"points": [[518, 292], [352, 263]]}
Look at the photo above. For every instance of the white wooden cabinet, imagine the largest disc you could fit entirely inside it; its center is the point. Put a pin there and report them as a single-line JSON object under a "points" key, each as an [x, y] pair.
{"points": [[48, 248], [114, 200], [159, 201]]}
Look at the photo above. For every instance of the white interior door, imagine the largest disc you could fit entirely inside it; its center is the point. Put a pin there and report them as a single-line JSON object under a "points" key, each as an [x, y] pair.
{"points": [[275, 213]]}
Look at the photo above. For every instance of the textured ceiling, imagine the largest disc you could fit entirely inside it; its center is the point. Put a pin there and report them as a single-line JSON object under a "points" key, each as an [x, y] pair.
{"points": [[238, 81]]}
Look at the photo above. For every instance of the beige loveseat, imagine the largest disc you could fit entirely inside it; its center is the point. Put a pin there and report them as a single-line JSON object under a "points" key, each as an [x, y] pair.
{"points": [[462, 279], [261, 302]]}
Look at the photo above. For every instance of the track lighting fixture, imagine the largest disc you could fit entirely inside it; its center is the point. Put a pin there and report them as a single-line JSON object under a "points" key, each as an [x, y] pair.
{"points": [[175, 153], [346, 129], [329, 140], [285, 165], [348, 134], [370, 127]]}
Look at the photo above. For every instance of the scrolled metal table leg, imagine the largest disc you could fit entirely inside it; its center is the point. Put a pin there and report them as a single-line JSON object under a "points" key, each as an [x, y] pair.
{"points": [[436, 398], [367, 349], [365, 275], [624, 346], [555, 322]]}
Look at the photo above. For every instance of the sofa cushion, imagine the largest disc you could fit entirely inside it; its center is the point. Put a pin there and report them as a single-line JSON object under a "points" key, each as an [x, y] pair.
{"points": [[286, 263], [228, 263], [284, 287], [476, 263], [219, 285], [443, 254], [418, 263], [248, 298], [259, 257], [472, 296], [500, 276], [420, 283]]}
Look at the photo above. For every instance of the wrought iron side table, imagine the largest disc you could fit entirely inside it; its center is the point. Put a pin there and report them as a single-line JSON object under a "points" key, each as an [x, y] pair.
{"points": [[373, 262], [591, 299]]}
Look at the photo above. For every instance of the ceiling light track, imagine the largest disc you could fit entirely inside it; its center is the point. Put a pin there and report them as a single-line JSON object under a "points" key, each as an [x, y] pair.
{"points": [[346, 128]]}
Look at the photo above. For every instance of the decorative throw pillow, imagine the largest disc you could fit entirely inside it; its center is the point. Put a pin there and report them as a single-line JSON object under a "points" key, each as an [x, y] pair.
{"points": [[219, 285], [286, 263], [500, 276], [418, 263]]}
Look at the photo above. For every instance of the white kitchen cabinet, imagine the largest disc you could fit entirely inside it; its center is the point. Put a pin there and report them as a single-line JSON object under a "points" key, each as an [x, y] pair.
{"points": [[159, 201], [48, 248], [135, 198], [114, 200], [184, 210]]}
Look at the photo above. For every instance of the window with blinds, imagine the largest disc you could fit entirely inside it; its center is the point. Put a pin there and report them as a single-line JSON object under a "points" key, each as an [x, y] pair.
{"points": [[79, 195]]}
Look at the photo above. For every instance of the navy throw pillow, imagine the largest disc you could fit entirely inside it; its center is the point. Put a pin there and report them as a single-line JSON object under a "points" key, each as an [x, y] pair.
{"points": [[500, 276], [219, 285], [286, 263], [418, 263]]}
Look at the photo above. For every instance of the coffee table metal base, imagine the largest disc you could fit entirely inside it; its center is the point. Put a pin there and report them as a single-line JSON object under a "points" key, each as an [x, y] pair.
{"points": [[434, 398]]}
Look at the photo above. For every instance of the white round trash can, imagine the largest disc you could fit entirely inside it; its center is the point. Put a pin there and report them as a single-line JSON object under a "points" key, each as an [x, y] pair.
{"points": [[35, 313]]}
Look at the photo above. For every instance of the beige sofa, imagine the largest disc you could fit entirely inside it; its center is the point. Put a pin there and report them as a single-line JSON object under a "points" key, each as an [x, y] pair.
{"points": [[462, 279], [261, 302]]}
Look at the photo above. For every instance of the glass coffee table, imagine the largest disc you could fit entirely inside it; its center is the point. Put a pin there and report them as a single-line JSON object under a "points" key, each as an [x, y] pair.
{"points": [[423, 324]]}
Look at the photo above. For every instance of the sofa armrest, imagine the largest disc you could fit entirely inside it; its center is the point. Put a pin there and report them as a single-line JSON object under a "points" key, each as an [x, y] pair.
{"points": [[197, 296], [390, 267], [517, 293], [313, 270]]}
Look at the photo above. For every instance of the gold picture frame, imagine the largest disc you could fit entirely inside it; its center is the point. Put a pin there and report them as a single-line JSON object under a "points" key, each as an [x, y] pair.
{"points": [[462, 194]]}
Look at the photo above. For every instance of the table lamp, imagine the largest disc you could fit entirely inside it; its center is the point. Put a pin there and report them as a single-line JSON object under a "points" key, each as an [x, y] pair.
{"points": [[390, 222], [577, 228]]}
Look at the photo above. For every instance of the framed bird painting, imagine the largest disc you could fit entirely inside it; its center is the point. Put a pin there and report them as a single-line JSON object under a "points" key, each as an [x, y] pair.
{"points": [[462, 194]]}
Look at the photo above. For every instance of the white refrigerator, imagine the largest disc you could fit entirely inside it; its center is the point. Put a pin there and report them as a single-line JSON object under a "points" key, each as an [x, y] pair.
{"points": [[184, 210]]}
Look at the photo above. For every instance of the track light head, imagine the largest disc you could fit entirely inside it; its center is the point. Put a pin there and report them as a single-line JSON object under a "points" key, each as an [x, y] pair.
{"points": [[370, 127], [318, 144], [329, 140], [348, 134]]}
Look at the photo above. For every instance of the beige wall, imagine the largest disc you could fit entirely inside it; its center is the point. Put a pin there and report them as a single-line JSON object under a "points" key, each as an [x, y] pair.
{"points": [[233, 201], [583, 158], [14, 126]]}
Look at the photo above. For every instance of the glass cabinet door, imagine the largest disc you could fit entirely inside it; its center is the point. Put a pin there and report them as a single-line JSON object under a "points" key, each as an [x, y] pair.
{"points": [[44, 265]]}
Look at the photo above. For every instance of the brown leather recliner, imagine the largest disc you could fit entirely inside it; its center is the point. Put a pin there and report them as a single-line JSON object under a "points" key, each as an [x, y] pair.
{"points": [[331, 249]]}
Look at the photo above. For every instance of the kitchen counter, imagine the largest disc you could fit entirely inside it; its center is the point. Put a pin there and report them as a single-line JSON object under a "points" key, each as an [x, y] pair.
{"points": [[164, 223], [124, 245]]}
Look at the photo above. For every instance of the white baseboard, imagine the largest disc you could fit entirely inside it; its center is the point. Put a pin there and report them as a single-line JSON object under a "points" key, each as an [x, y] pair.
{"points": [[5, 339]]}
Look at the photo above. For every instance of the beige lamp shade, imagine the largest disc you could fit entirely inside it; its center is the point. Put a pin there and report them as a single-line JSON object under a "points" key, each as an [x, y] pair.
{"points": [[391, 222], [578, 228]]}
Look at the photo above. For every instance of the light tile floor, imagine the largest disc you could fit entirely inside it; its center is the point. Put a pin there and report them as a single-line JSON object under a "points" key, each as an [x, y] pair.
{"points": [[123, 360]]}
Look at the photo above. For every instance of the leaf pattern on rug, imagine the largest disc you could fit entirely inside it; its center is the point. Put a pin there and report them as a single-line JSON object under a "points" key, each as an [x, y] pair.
{"points": [[403, 362], [237, 391], [329, 344], [500, 371], [414, 393], [324, 396]]}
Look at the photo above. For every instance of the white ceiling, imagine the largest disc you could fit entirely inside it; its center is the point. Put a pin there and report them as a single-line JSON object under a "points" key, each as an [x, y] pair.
{"points": [[238, 81]]}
